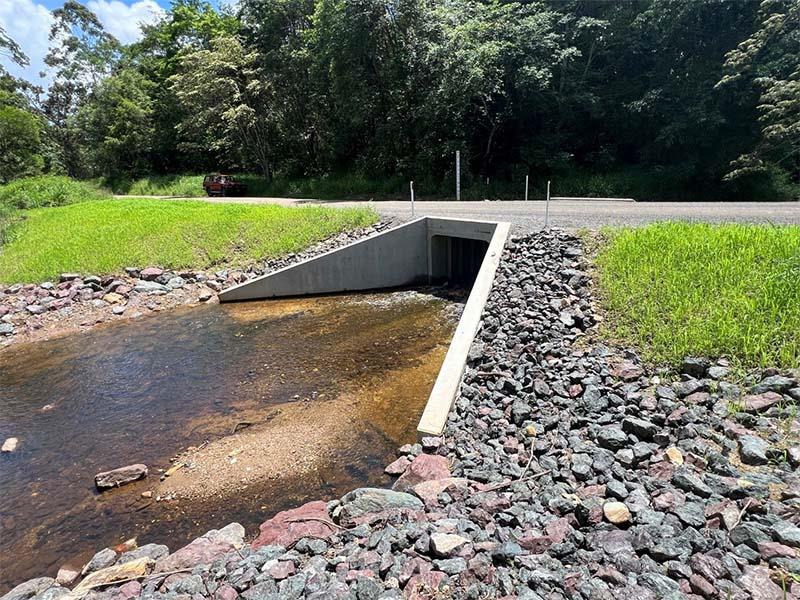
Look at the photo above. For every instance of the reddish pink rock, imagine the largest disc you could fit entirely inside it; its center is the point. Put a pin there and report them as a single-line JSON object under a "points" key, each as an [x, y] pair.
{"points": [[591, 491], [756, 580], [662, 470], [428, 491], [627, 371], [697, 398], [774, 549], [226, 592], [282, 570], [558, 530], [128, 591], [150, 273], [424, 467], [398, 467], [285, 528], [423, 586], [759, 402], [535, 544], [203, 550]]}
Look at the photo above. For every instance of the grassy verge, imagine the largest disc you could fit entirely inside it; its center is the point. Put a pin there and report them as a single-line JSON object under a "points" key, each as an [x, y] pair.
{"points": [[678, 289], [105, 236]]}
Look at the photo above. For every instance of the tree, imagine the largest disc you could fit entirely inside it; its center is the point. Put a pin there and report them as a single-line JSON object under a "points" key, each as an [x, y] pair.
{"points": [[10, 49], [19, 144], [769, 61], [228, 105], [189, 26], [81, 54], [116, 124]]}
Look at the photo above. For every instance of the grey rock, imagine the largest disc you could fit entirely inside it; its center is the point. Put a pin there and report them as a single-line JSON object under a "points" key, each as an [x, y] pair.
{"points": [[612, 438], [687, 480], [31, 588], [753, 450], [101, 560], [775, 383]]}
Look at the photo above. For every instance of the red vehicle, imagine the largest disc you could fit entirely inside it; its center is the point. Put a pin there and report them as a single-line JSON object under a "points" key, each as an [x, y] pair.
{"points": [[223, 185]]}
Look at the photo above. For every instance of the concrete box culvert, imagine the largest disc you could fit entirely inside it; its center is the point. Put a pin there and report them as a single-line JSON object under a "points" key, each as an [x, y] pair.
{"points": [[421, 251]]}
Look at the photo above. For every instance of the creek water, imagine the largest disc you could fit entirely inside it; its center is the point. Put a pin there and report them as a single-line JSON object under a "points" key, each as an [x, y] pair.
{"points": [[320, 392]]}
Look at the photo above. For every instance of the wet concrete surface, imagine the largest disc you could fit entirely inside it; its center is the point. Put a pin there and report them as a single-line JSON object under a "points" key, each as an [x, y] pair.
{"points": [[321, 392]]}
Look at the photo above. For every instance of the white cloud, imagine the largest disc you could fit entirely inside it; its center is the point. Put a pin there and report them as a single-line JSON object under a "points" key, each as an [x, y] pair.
{"points": [[28, 23], [124, 21]]}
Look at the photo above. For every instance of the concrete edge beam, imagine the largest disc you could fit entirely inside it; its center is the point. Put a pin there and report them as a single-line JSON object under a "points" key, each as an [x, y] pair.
{"points": [[445, 389]]}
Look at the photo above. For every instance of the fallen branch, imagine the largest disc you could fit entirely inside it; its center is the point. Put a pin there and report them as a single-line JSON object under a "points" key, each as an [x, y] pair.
{"points": [[320, 519], [100, 584], [499, 486]]}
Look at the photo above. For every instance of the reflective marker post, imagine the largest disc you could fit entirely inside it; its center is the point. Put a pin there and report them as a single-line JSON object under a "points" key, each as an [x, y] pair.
{"points": [[547, 207], [411, 186], [458, 175]]}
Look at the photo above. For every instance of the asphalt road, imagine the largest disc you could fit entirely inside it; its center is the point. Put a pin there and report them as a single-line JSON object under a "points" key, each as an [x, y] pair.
{"points": [[576, 214]]}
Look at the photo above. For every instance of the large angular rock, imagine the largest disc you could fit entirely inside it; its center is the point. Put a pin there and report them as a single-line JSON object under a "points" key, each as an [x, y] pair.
{"points": [[287, 527], [757, 582], [753, 450], [445, 544], [31, 588], [424, 467], [205, 549], [775, 383], [612, 438], [364, 502], [759, 402], [121, 476]]}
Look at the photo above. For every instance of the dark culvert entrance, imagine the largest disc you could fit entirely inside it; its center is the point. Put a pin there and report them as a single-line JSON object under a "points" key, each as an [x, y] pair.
{"points": [[456, 260]]}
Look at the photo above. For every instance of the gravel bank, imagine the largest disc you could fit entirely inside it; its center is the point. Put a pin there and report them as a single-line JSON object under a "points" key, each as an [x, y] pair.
{"points": [[31, 312], [566, 471]]}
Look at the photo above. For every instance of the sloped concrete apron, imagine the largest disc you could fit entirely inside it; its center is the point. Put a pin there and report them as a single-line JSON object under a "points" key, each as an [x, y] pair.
{"points": [[409, 254]]}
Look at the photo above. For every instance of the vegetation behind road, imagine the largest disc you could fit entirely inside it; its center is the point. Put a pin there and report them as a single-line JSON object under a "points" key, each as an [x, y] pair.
{"points": [[104, 236], [652, 99], [682, 289]]}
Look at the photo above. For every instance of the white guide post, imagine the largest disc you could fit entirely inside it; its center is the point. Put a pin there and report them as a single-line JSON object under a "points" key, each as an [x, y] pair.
{"points": [[526, 188], [411, 187], [547, 207], [458, 175]]}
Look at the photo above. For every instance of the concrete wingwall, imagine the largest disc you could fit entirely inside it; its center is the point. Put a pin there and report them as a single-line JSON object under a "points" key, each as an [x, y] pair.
{"points": [[392, 258], [420, 251]]}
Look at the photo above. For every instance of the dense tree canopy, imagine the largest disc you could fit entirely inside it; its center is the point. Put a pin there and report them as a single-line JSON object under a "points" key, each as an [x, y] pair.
{"points": [[693, 96]]}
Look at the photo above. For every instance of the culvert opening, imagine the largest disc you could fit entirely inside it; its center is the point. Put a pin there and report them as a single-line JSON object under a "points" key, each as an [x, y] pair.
{"points": [[455, 260]]}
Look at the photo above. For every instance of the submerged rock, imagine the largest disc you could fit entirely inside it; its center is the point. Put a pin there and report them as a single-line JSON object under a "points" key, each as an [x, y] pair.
{"points": [[120, 476]]}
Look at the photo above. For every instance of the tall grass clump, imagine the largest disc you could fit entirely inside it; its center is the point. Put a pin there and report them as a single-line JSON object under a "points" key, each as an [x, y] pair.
{"points": [[37, 192], [678, 289], [47, 191], [106, 236]]}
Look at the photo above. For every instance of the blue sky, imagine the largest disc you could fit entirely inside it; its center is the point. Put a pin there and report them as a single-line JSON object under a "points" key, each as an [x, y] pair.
{"points": [[28, 23]]}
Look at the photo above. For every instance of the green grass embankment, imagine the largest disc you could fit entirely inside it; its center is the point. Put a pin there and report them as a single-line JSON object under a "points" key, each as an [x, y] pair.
{"points": [[106, 235], [678, 289]]}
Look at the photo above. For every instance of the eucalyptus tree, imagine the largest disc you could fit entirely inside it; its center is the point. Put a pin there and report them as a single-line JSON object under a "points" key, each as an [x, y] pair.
{"points": [[229, 107], [81, 54], [768, 61]]}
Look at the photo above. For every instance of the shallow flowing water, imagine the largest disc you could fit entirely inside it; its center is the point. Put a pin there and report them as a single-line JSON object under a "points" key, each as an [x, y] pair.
{"points": [[320, 391]]}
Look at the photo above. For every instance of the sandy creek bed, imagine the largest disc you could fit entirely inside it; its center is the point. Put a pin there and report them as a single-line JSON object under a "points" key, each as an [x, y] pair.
{"points": [[321, 392]]}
